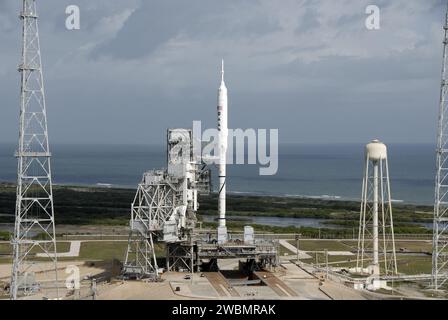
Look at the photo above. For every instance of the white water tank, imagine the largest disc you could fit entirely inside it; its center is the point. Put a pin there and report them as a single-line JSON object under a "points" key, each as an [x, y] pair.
{"points": [[376, 150]]}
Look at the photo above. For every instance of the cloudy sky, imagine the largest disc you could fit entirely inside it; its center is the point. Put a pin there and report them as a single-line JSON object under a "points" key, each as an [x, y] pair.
{"points": [[309, 68]]}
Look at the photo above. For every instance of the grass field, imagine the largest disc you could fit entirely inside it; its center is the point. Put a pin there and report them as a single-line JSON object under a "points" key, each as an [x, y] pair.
{"points": [[6, 250], [319, 245], [104, 252], [406, 264], [107, 250], [75, 205], [348, 245], [90, 250], [413, 257]]}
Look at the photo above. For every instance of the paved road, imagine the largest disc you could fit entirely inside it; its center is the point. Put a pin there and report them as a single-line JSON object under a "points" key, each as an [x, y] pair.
{"points": [[277, 285], [219, 282], [75, 247], [290, 247]]}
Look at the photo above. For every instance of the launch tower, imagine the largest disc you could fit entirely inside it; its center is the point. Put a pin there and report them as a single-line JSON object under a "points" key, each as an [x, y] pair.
{"points": [[164, 210], [164, 213]]}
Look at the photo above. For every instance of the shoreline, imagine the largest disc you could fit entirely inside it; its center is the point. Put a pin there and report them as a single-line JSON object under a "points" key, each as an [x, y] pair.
{"points": [[108, 205], [324, 197]]}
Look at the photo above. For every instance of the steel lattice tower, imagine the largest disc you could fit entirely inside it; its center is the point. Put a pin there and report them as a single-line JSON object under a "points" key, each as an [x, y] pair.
{"points": [[440, 228], [34, 231]]}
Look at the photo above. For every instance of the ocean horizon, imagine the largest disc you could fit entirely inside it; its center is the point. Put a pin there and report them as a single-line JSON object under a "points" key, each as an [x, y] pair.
{"points": [[322, 171]]}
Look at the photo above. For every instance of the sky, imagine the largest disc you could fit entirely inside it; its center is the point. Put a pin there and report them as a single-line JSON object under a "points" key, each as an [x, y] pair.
{"points": [[309, 68]]}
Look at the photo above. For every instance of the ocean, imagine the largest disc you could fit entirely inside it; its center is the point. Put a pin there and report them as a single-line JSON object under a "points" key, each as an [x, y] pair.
{"points": [[320, 171]]}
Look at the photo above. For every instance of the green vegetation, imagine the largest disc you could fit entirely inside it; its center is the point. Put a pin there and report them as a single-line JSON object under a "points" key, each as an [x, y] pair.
{"points": [[102, 250], [90, 251], [414, 264], [4, 236], [110, 206], [313, 245], [5, 248], [413, 257], [78, 205], [107, 250], [6, 251], [347, 245]]}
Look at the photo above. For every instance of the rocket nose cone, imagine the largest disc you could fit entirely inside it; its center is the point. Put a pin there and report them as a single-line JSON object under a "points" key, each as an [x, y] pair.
{"points": [[222, 89], [223, 85]]}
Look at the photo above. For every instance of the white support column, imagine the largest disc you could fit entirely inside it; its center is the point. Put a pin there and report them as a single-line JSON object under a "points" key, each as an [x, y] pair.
{"points": [[375, 219], [375, 215]]}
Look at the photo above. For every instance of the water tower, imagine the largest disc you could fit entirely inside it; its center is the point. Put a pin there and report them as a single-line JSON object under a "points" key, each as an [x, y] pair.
{"points": [[376, 243]]}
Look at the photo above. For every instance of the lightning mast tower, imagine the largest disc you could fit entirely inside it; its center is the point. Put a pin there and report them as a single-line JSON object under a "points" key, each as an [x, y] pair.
{"points": [[34, 231], [440, 227]]}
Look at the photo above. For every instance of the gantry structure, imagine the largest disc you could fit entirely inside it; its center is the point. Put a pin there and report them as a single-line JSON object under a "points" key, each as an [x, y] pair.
{"points": [[34, 230], [163, 217], [164, 210]]}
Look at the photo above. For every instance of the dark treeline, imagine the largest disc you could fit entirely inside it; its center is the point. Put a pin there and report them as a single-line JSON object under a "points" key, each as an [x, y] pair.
{"points": [[110, 206]]}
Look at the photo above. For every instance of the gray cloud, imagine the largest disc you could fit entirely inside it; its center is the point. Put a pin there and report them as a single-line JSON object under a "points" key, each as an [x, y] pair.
{"points": [[307, 67], [154, 23], [308, 22]]}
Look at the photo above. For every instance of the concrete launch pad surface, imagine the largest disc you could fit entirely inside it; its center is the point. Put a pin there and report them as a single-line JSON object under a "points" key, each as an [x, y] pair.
{"points": [[288, 281], [138, 290]]}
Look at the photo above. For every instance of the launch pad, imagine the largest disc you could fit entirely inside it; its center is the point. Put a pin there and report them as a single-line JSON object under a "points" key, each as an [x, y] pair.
{"points": [[165, 206], [203, 255], [164, 212]]}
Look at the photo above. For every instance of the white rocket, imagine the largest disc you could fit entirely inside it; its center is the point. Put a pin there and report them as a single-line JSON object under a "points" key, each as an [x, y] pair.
{"points": [[222, 143]]}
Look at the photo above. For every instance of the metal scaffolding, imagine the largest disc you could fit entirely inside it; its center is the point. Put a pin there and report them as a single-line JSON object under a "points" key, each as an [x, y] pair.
{"points": [[440, 227], [34, 231], [153, 205], [164, 214], [164, 210], [182, 256]]}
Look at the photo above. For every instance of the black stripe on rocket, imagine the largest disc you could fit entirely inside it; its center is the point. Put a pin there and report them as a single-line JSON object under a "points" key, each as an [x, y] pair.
{"points": [[220, 190]]}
